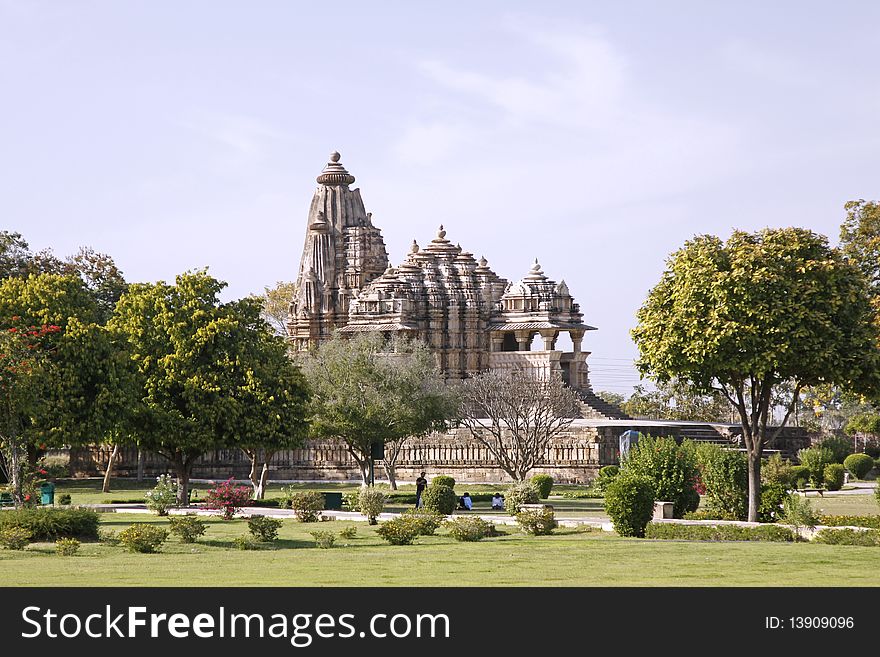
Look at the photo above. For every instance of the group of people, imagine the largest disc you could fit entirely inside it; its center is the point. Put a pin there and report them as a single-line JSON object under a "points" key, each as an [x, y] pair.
{"points": [[464, 502]]}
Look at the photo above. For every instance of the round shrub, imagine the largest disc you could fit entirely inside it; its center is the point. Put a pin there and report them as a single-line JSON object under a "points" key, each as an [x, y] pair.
{"points": [[348, 533], [64, 499], [66, 547], [264, 528], [187, 528], [307, 505], [816, 458], [247, 543], [834, 476], [470, 528], [228, 498], [858, 465], [629, 502], [14, 538], [399, 531], [439, 499], [672, 468], [371, 501], [425, 520], [324, 540], [520, 493], [537, 522], [443, 480], [800, 475], [142, 538], [163, 495], [544, 484]]}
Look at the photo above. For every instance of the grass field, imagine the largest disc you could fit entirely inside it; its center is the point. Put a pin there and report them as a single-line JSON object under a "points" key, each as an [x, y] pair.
{"points": [[568, 558]]}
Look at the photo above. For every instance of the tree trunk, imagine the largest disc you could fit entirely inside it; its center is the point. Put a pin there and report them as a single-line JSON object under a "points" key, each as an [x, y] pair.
{"points": [[15, 482], [109, 471], [391, 473], [754, 483], [183, 469], [259, 463], [140, 470]]}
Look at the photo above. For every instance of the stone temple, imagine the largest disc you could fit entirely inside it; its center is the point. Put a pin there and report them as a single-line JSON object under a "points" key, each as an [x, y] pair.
{"points": [[472, 319]]}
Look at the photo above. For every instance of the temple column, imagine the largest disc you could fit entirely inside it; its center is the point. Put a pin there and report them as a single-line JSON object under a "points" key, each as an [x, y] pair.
{"points": [[524, 340], [549, 337]]}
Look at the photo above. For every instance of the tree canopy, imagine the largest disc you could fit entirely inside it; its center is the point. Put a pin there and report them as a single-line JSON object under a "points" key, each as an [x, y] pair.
{"points": [[762, 309]]}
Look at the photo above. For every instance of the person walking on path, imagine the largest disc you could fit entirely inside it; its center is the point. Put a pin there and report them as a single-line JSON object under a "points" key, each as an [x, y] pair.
{"points": [[421, 485]]}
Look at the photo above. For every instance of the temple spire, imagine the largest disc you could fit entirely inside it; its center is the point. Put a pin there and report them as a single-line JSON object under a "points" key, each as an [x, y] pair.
{"points": [[334, 173]]}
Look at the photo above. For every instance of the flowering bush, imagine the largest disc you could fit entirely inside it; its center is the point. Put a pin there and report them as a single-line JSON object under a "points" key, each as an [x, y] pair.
{"points": [[163, 495], [227, 497], [142, 537], [371, 501], [425, 520], [521, 493], [399, 531], [469, 528], [66, 547], [307, 505], [537, 522], [15, 538]]}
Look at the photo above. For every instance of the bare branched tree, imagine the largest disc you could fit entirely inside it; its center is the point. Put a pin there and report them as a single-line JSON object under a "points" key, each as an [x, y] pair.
{"points": [[514, 415]]}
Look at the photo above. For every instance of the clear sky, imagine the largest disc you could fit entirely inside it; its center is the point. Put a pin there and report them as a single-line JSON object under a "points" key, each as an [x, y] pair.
{"points": [[595, 136]]}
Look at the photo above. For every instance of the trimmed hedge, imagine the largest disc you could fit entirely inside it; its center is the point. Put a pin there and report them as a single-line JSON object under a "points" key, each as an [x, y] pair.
{"points": [[850, 521], [544, 484], [866, 538], [52, 524], [629, 502], [443, 480], [834, 476], [671, 531], [439, 499]]}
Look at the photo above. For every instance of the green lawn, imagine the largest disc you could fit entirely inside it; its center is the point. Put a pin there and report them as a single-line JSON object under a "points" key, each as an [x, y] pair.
{"points": [[568, 558]]}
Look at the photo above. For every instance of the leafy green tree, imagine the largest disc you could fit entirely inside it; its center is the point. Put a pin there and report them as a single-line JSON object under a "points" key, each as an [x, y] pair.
{"points": [[207, 370], [860, 238], [65, 379], [762, 309], [368, 391], [276, 302]]}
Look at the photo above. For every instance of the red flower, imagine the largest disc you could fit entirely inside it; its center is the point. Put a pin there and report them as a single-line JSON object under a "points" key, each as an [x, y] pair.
{"points": [[43, 472]]}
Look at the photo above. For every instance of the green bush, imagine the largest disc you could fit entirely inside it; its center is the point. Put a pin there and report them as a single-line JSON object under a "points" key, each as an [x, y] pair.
{"points": [[348, 533], [109, 537], [307, 505], [606, 475], [859, 465], [439, 499], [708, 514], [14, 538], [371, 501], [324, 540], [866, 538], [776, 471], [834, 476], [800, 475], [537, 522], [816, 458], [264, 528], [798, 511], [671, 531], [350, 501], [48, 524], [187, 528], [839, 446], [425, 520], [56, 467], [399, 531], [544, 484], [142, 537], [247, 542], [443, 480], [629, 502], [850, 521], [470, 528], [773, 497], [725, 477], [672, 469], [66, 547], [520, 493], [64, 499], [163, 495]]}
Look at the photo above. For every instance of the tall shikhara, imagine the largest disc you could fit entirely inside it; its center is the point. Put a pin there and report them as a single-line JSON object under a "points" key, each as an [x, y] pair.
{"points": [[343, 252]]}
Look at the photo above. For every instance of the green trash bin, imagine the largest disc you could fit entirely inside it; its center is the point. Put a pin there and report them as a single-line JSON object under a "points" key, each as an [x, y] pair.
{"points": [[47, 493], [333, 501]]}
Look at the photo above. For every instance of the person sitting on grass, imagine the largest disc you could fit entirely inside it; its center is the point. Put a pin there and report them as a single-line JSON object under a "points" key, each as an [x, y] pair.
{"points": [[497, 502], [464, 502]]}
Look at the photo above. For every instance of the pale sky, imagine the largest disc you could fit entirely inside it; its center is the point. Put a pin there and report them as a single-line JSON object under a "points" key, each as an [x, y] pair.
{"points": [[595, 136]]}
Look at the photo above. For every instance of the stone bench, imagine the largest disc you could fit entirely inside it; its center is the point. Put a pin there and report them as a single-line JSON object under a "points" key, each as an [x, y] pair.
{"points": [[535, 507]]}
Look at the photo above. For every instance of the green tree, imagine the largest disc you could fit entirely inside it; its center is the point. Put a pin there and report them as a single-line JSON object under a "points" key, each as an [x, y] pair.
{"points": [[65, 379], [860, 238], [677, 400], [366, 390], [203, 366], [760, 310], [276, 302]]}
